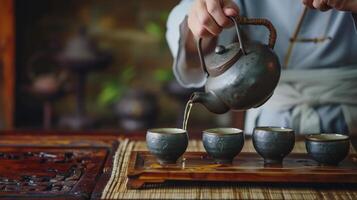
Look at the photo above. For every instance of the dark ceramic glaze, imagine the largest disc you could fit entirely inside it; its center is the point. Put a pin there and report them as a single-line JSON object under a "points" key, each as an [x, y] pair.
{"points": [[167, 144], [223, 144], [241, 75], [327, 149], [273, 143]]}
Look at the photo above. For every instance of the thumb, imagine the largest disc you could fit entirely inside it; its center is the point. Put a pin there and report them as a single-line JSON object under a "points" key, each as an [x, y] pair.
{"points": [[230, 8]]}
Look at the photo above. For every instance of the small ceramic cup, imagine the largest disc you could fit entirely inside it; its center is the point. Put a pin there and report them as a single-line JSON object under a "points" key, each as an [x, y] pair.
{"points": [[273, 143], [327, 149], [167, 144], [223, 144]]}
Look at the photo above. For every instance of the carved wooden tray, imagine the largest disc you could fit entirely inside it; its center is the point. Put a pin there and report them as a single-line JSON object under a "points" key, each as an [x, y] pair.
{"points": [[49, 172], [247, 167]]}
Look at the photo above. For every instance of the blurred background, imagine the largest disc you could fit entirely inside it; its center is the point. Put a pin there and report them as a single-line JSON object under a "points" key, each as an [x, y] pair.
{"points": [[91, 64]]}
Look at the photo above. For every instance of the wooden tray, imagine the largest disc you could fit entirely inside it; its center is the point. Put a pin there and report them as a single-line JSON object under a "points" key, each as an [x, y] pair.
{"points": [[246, 167]]}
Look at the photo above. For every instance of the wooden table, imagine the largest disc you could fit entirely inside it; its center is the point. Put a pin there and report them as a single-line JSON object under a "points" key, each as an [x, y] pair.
{"points": [[60, 165]]}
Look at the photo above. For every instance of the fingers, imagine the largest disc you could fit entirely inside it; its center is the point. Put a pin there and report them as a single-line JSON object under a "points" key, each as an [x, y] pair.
{"points": [[321, 5], [308, 3], [207, 18], [201, 22], [214, 8], [196, 28], [317, 4], [230, 8], [338, 4], [343, 5]]}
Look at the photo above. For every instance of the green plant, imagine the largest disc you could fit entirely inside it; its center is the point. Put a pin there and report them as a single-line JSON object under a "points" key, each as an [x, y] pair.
{"points": [[163, 75], [115, 86], [156, 28]]}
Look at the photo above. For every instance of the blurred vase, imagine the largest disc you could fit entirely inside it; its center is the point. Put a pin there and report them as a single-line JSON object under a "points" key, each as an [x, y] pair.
{"points": [[47, 82], [81, 55], [137, 110], [47, 88]]}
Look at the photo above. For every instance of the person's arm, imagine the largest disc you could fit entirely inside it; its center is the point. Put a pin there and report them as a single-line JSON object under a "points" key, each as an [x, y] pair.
{"points": [[342, 5], [186, 71], [187, 21]]}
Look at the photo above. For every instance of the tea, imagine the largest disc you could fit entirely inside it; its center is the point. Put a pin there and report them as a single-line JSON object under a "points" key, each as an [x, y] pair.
{"points": [[186, 114]]}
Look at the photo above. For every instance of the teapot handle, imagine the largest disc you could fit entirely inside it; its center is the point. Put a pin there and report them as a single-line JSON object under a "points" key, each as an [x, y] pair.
{"points": [[244, 21], [261, 22]]}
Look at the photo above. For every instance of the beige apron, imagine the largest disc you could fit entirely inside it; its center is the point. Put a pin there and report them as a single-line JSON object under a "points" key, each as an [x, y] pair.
{"points": [[302, 89]]}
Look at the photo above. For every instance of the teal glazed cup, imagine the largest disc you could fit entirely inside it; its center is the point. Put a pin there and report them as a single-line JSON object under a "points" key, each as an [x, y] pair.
{"points": [[327, 149], [167, 144], [223, 144], [273, 143]]}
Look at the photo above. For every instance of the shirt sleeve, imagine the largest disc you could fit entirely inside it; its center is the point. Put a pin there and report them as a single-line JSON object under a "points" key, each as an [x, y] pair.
{"points": [[176, 36]]}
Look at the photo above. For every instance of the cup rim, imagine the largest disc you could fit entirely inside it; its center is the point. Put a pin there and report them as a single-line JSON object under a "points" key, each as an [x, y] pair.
{"points": [[275, 129], [230, 131], [167, 131], [327, 137]]}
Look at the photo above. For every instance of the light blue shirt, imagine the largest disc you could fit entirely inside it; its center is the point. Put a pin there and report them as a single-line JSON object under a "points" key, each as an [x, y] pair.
{"points": [[337, 52]]}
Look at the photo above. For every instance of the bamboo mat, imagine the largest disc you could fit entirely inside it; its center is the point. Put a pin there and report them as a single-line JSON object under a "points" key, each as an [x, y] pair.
{"points": [[116, 186]]}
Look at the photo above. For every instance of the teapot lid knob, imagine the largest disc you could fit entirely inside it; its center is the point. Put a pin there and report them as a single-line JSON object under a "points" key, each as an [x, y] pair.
{"points": [[220, 49]]}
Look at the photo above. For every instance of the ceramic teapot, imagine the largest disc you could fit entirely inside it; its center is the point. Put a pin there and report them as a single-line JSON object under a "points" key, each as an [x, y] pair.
{"points": [[241, 75]]}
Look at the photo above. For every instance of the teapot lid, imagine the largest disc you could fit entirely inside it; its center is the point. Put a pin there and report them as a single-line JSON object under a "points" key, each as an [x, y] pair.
{"points": [[222, 58]]}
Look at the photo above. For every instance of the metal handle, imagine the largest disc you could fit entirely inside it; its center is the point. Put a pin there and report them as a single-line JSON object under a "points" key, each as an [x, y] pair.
{"points": [[243, 21], [199, 47], [200, 55]]}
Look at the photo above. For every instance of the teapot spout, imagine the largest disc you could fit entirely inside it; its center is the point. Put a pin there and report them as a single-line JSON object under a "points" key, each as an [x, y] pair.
{"points": [[210, 101]]}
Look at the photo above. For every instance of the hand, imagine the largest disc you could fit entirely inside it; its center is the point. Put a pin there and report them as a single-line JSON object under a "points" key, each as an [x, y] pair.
{"points": [[207, 18], [323, 5]]}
